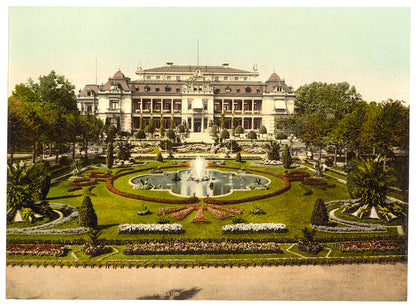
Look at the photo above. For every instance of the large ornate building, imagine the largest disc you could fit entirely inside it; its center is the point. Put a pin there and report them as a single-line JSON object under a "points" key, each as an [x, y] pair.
{"points": [[196, 96]]}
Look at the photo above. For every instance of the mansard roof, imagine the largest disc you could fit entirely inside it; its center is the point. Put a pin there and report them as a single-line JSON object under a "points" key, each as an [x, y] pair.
{"points": [[89, 87], [193, 68]]}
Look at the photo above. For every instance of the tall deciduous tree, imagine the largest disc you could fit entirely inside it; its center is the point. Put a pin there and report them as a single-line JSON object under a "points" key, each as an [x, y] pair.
{"points": [[316, 131], [90, 128]]}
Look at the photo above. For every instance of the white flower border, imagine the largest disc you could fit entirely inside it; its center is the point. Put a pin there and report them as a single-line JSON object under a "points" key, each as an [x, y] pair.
{"points": [[255, 228], [150, 228]]}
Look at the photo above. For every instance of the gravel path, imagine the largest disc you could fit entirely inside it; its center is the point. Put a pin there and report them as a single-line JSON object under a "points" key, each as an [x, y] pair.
{"points": [[319, 283]]}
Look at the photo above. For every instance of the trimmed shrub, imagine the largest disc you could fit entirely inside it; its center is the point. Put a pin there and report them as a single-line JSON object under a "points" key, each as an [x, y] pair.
{"points": [[140, 134], [252, 135], [262, 130], [319, 214], [239, 130], [286, 157], [87, 217], [159, 157], [225, 134], [110, 155], [238, 158]]}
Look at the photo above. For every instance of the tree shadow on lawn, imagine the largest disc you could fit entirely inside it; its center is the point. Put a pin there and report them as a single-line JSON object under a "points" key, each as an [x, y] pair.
{"points": [[63, 197], [174, 294], [102, 227]]}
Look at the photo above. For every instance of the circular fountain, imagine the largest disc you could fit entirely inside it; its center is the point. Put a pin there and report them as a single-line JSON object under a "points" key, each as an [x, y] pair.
{"points": [[199, 181]]}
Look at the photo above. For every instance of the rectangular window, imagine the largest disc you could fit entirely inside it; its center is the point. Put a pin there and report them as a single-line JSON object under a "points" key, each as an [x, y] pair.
{"points": [[235, 78], [226, 78], [178, 77], [245, 78], [216, 78], [157, 77], [149, 77], [168, 77]]}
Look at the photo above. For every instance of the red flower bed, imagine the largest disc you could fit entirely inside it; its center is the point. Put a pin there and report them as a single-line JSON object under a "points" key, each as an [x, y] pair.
{"points": [[36, 249], [83, 182], [227, 208], [200, 217], [314, 182], [371, 246], [297, 175], [181, 215], [218, 214], [171, 209]]}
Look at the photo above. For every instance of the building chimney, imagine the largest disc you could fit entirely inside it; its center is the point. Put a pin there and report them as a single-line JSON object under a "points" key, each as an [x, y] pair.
{"points": [[169, 63], [225, 64]]}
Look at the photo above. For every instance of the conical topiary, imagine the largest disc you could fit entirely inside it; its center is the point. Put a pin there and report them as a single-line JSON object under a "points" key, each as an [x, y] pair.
{"points": [[159, 157], [319, 214], [286, 157], [110, 155], [87, 217], [238, 158]]}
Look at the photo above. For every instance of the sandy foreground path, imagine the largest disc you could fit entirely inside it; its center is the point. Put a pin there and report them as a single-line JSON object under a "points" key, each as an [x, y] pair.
{"points": [[364, 282]]}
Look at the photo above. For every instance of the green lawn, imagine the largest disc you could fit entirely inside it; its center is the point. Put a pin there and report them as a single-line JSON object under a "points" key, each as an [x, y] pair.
{"points": [[291, 208]]}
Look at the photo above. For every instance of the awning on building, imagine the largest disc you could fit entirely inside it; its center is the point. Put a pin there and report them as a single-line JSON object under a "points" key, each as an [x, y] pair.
{"points": [[197, 104], [279, 104]]}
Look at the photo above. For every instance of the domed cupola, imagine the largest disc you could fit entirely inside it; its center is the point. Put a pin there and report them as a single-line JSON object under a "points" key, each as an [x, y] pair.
{"points": [[273, 78], [119, 75]]}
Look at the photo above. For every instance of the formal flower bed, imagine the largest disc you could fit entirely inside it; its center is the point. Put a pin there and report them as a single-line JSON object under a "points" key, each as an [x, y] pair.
{"points": [[314, 182], [254, 228], [200, 217], [96, 250], [297, 175], [150, 228], [83, 182], [370, 228], [202, 247], [200, 208], [371, 246], [36, 250]]}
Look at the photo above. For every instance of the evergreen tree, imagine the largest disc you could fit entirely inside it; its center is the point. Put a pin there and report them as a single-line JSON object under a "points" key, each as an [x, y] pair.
{"points": [[319, 214], [159, 157], [87, 217], [110, 155], [225, 134], [286, 157], [252, 135], [140, 135], [239, 130], [238, 158], [262, 130], [170, 134]]}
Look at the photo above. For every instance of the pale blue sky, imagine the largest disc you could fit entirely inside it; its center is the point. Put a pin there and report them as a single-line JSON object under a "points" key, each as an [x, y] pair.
{"points": [[367, 47]]}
